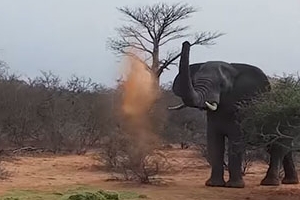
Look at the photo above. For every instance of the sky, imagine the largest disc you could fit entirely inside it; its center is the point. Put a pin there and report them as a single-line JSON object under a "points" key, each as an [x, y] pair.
{"points": [[70, 36]]}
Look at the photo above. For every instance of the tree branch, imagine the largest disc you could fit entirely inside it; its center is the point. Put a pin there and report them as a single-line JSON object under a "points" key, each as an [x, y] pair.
{"points": [[138, 15], [122, 46], [168, 61], [203, 38], [206, 38], [281, 135], [171, 31], [174, 14], [133, 32]]}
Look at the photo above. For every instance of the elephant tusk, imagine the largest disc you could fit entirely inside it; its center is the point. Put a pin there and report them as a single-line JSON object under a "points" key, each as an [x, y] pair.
{"points": [[178, 107], [213, 106]]}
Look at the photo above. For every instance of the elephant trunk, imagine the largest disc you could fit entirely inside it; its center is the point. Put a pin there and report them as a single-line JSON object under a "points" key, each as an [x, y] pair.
{"points": [[188, 94], [195, 94]]}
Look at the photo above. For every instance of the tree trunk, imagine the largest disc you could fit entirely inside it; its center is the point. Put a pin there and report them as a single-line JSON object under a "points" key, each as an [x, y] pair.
{"points": [[155, 62]]}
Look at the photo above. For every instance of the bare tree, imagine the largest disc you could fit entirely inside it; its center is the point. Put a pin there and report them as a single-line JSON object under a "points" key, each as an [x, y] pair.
{"points": [[3, 70], [47, 80], [150, 28], [80, 84]]}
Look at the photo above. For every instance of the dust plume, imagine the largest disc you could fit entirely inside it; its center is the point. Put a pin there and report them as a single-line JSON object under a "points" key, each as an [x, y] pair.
{"points": [[140, 92]]}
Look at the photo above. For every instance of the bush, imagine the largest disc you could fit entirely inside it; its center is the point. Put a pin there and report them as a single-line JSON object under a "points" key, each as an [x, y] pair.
{"points": [[123, 155], [44, 113], [274, 117]]}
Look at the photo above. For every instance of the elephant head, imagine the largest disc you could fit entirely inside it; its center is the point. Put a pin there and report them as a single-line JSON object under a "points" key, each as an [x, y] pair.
{"points": [[200, 85]]}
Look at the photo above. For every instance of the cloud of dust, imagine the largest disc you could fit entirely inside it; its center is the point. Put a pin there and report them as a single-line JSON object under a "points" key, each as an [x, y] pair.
{"points": [[140, 92]]}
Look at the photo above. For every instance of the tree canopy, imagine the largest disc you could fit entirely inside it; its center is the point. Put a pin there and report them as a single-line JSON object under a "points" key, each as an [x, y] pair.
{"points": [[150, 27]]}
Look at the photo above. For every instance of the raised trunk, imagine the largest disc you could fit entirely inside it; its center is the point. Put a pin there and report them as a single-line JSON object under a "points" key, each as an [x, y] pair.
{"points": [[189, 96]]}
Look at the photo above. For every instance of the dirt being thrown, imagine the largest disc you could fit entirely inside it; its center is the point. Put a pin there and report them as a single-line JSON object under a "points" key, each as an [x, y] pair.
{"points": [[140, 92]]}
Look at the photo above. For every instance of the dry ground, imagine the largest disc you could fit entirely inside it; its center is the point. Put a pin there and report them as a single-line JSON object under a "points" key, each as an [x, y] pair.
{"points": [[185, 181]]}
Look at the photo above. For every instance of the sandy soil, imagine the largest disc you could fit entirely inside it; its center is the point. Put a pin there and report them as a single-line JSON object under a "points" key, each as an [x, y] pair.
{"points": [[184, 181]]}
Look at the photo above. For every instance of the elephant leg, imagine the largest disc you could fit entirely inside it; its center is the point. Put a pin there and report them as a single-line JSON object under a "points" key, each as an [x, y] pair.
{"points": [[290, 173], [277, 153], [235, 158], [215, 147]]}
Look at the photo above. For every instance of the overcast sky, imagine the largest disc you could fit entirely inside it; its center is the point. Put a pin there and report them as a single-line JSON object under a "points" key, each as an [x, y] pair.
{"points": [[69, 36]]}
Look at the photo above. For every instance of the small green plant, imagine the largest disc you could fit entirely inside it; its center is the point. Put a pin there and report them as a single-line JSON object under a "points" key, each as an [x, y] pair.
{"points": [[78, 193], [88, 196], [11, 198]]}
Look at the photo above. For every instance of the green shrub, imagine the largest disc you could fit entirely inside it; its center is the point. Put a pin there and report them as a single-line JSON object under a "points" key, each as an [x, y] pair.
{"points": [[100, 195], [274, 116]]}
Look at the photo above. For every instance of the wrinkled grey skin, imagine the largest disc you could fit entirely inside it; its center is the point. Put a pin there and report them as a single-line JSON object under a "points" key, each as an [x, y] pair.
{"points": [[225, 84]]}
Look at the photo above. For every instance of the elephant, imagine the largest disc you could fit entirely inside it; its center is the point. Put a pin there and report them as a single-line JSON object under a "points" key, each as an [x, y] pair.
{"points": [[216, 87]]}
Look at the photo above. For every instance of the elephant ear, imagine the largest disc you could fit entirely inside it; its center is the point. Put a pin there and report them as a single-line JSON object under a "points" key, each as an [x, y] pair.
{"points": [[227, 75], [249, 81]]}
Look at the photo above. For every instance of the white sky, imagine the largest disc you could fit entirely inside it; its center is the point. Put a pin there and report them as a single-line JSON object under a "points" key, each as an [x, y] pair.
{"points": [[69, 36]]}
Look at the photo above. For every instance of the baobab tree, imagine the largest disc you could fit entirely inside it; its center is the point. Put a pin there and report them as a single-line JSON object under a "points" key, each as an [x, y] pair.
{"points": [[151, 27]]}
